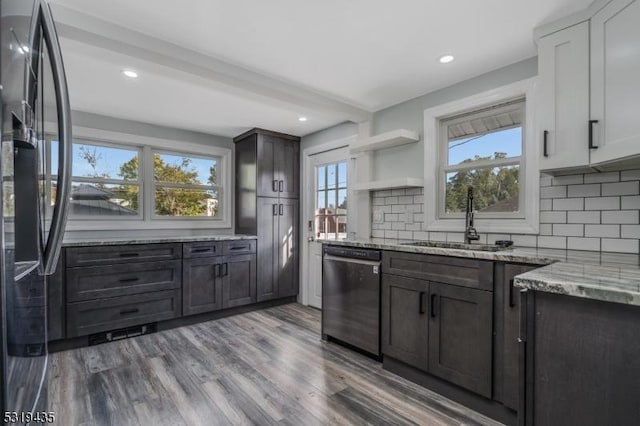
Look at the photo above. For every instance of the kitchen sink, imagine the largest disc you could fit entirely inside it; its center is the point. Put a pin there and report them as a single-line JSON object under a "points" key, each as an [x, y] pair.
{"points": [[459, 246]]}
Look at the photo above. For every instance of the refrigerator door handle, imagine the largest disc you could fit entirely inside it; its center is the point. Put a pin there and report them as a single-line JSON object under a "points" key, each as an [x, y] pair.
{"points": [[60, 213]]}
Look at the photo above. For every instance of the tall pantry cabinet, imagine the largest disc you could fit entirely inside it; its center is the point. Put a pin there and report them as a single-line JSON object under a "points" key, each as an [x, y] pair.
{"points": [[267, 205]]}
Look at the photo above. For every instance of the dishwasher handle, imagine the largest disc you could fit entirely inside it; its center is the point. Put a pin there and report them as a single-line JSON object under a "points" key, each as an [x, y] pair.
{"points": [[352, 260]]}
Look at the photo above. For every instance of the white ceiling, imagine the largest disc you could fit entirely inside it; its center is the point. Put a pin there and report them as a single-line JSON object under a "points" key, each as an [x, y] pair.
{"points": [[367, 54]]}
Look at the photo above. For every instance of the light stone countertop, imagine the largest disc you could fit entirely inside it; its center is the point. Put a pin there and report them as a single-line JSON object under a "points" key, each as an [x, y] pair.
{"points": [[154, 240], [611, 277]]}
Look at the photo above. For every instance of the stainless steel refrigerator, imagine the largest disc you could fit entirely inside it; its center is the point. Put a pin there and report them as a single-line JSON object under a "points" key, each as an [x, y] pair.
{"points": [[34, 109]]}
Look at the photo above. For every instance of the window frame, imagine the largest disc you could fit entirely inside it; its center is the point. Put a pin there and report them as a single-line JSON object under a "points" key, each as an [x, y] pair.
{"points": [[527, 222], [49, 178], [147, 144], [153, 184], [445, 168]]}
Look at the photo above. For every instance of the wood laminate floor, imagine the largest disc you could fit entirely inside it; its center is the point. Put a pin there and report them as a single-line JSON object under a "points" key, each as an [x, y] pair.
{"points": [[264, 367]]}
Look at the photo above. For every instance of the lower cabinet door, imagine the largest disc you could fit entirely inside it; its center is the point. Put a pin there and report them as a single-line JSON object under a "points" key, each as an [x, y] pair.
{"points": [[239, 280], [267, 248], [405, 320], [201, 285], [460, 336], [287, 243], [84, 318], [510, 346]]}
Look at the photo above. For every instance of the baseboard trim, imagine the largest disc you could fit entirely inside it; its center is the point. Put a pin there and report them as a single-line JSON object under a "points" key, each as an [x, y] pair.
{"points": [[469, 399]]}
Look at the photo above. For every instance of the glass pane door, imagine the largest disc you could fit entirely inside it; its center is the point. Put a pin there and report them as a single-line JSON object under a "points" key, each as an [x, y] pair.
{"points": [[331, 201]]}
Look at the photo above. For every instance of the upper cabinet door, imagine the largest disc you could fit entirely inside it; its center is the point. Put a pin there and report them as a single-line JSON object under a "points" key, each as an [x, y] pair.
{"points": [[563, 106], [288, 166], [615, 81], [268, 175]]}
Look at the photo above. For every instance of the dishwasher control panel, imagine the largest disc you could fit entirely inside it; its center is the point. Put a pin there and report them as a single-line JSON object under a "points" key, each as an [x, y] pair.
{"points": [[353, 253]]}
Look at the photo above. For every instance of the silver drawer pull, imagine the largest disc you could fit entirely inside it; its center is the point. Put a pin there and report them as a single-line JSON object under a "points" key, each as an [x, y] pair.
{"points": [[239, 248]]}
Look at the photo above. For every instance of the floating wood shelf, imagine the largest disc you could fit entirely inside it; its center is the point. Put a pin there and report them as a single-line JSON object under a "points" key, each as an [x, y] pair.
{"points": [[385, 140], [389, 184]]}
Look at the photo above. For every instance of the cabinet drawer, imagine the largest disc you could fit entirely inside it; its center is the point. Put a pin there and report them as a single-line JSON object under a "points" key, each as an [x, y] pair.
{"points": [[201, 249], [85, 318], [239, 247], [449, 270], [109, 255], [120, 280]]}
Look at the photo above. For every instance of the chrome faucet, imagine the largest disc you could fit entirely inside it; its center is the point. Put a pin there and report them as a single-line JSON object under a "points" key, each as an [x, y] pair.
{"points": [[470, 233]]}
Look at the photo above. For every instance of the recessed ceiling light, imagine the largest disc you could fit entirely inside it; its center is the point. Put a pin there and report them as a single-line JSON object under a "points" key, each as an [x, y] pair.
{"points": [[302, 118], [445, 59], [130, 73]]}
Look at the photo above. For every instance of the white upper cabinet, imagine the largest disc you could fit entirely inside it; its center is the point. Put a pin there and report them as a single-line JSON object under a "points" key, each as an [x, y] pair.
{"points": [[563, 103], [589, 77], [615, 81]]}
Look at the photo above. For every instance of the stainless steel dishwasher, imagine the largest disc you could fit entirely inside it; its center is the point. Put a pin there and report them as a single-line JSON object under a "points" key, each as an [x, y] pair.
{"points": [[351, 297]]}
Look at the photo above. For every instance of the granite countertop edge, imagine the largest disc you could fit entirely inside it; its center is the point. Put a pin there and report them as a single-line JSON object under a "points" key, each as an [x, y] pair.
{"points": [[610, 277], [155, 240]]}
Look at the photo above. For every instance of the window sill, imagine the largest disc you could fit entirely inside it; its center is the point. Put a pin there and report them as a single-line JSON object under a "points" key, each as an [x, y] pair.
{"points": [[97, 225]]}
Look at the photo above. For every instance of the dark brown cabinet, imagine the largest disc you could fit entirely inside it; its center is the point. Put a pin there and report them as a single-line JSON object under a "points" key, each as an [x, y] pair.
{"points": [[239, 280], [277, 248], [114, 286], [104, 288], [56, 303], [278, 168], [211, 283], [582, 365], [201, 285], [437, 316], [507, 346], [460, 336], [405, 320], [267, 190]]}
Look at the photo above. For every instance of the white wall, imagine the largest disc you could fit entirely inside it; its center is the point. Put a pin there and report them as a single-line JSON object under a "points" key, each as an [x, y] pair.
{"points": [[101, 124]]}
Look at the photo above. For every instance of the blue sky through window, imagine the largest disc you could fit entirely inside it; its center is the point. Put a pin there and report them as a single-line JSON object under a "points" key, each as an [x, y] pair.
{"points": [[508, 141]]}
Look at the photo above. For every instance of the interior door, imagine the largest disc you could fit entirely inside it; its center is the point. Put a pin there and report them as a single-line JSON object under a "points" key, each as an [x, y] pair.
{"points": [[326, 210]]}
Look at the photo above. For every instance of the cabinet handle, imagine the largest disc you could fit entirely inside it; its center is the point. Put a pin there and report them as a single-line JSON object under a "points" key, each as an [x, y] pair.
{"points": [[275, 210], [239, 248], [129, 311], [129, 280], [203, 250], [512, 302], [275, 185], [129, 254], [591, 123], [422, 301], [281, 209], [281, 186], [226, 270], [216, 270], [545, 136], [433, 305]]}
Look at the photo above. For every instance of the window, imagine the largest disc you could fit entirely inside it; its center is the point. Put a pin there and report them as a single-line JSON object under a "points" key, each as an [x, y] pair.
{"points": [[331, 201], [185, 185], [486, 141], [483, 150], [106, 180], [112, 182]]}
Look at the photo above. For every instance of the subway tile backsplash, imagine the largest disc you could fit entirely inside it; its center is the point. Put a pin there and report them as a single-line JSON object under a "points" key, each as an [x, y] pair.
{"points": [[592, 211]]}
